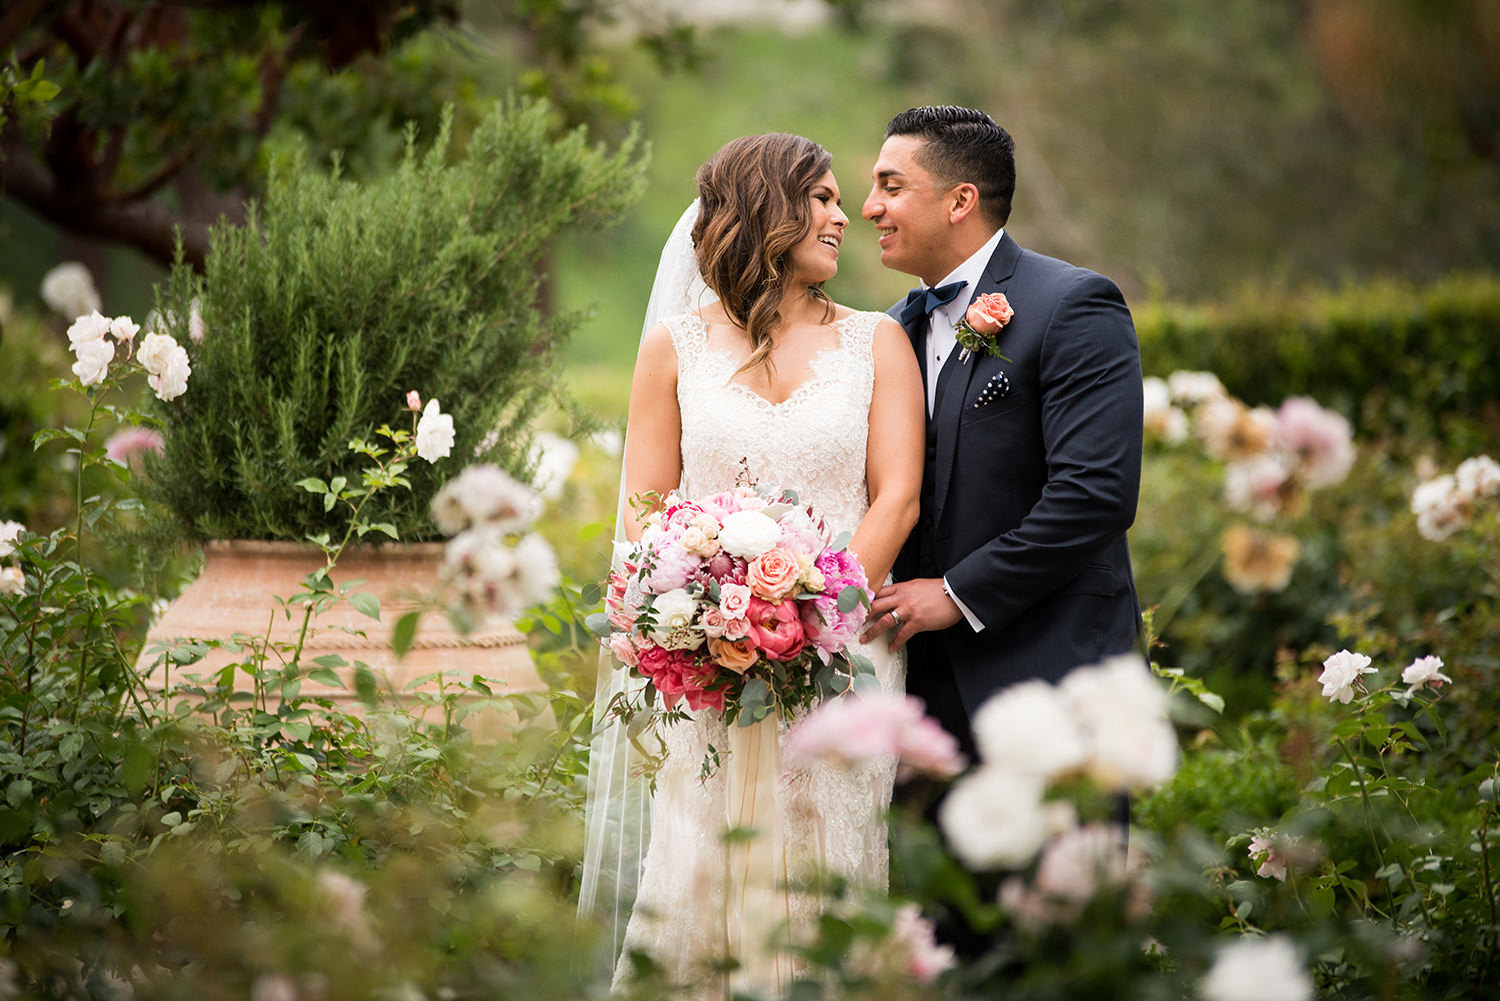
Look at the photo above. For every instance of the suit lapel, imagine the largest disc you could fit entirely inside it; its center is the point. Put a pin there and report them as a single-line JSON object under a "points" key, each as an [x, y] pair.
{"points": [[955, 377]]}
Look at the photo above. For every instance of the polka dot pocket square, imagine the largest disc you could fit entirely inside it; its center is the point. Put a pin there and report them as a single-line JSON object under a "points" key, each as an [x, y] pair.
{"points": [[997, 388]]}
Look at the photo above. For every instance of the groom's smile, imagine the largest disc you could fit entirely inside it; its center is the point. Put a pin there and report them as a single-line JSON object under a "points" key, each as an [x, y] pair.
{"points": [[907, 208]]}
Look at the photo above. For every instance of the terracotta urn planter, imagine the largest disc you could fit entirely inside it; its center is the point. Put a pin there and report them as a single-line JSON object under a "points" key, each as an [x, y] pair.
{"points": [[237, 591]]}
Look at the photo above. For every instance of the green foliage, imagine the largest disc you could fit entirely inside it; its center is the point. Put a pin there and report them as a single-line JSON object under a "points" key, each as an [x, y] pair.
{"points": [[336, 298], [1396, 357]]}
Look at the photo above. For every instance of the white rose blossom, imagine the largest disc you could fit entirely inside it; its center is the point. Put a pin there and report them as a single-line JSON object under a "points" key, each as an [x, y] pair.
{"points": [[9, 532], [434, 433], [484, 495], [87, 328], [69, 289], [747, 534], [123, 329], [171, 381], [93, 361], [12, 581], [496, 578], [1258, 969], [1477, 477], [1194, 387], [993, 819], [1028, 729], [553, 457], [1424, 672], [1160, 416], [1121, 709], [1341, 672], [1440, 508]]}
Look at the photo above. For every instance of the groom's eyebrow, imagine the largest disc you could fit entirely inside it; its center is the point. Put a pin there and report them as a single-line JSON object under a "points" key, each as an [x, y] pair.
{"points": [[887, 174]]}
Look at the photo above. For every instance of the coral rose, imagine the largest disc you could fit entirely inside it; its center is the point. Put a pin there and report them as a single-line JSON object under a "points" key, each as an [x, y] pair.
{"points": [[773, 574]]}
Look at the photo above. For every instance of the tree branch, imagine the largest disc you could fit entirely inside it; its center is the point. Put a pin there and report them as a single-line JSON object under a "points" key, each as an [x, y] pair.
{"points": [[147, 226]]}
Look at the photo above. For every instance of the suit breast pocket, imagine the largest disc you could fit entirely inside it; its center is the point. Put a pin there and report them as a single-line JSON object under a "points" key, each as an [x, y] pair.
{"points": [[990, 411]]}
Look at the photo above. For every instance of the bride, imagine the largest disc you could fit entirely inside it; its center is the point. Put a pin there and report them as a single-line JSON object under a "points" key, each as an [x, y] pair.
{"points": [[752, 371]]}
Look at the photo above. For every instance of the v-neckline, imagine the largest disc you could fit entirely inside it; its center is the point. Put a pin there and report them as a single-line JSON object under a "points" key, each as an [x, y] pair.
{"points": [[812, 364]]}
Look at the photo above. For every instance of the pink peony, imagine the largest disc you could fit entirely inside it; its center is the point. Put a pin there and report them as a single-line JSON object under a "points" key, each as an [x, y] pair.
{"points": [[776, 628]]}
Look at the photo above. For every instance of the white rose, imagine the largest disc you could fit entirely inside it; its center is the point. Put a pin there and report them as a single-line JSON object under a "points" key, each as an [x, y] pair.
{"points": [[12, 580], [123, 328], [170, 379], [1424, 672], [1121, 709], [434, 433], [1440, 508], [747, 534], [1194, 387], [1477, 477], [674, 610], [87, 328], [994, 819], [1258, 969], [69, 289], [1341, 672], [93, 361], [484, 495], [1028, 729], [539, 575], [156, 351], [9, 531], [553, 458]]}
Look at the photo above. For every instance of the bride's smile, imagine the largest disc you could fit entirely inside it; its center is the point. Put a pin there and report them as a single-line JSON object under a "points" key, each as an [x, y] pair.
{"points": [[816, 257]]}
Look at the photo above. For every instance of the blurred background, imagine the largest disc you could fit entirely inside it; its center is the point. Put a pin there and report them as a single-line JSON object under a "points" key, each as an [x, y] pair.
{"points": [[1190, 151]]}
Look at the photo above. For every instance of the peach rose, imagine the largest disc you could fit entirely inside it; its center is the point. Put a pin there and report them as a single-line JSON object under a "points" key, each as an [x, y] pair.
{"points": [[733, 655], [988, 313], [773, 574]]}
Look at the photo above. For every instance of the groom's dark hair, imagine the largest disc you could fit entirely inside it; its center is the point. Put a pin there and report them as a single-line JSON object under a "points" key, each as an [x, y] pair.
{"points": [[961, 145]]}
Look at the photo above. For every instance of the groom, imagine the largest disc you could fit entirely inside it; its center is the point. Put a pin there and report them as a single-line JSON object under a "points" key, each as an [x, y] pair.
{"points": [[1018, 566]]}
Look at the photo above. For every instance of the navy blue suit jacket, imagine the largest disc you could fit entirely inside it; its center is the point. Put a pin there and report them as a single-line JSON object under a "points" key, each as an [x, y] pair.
{"points": [[1037, 468]]}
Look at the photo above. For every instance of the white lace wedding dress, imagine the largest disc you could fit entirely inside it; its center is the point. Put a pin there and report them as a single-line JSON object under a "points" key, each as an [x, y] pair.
{"points": [[700, 898]]}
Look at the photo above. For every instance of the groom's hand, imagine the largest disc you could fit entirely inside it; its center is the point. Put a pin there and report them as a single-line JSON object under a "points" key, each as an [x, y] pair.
{"points": [[912, 606]]}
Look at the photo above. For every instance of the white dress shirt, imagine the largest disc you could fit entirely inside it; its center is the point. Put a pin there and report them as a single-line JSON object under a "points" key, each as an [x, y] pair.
{"points": [[942, 341]]}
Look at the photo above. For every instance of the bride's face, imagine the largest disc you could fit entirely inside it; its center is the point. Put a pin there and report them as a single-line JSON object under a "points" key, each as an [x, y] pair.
{"points": [[816, 258]]}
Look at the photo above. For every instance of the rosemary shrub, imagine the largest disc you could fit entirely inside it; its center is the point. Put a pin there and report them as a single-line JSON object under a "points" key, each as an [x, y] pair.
{"points": [[336, 297]]}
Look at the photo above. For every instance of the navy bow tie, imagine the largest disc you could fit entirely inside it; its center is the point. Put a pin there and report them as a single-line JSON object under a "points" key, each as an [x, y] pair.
{"points": [[921, 302]]}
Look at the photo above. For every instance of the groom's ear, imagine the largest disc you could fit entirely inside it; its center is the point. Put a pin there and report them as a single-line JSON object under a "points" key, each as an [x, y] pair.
{"points": [[962, 201]]}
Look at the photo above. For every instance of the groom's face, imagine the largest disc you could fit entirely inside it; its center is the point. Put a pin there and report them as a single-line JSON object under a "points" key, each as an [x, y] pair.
{"points": [[910, 210]]}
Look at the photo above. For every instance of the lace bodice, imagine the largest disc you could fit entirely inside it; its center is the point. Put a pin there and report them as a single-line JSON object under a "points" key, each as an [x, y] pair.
{"points": [[813, 442]]}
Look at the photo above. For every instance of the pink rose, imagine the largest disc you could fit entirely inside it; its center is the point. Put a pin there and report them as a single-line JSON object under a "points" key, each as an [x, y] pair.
{"points": [[733, 655], [736, 629], [776, 628], [988, 313], [773, 574], [711, 621], [623, 649], [734, 600], [414, 401]]}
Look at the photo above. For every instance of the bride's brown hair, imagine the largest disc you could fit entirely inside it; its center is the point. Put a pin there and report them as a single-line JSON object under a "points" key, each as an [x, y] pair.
{"points": [[753, 209]]}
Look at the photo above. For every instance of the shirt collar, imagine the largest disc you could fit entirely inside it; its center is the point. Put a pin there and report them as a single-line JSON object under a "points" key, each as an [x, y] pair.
{"points": [[969, 271]]}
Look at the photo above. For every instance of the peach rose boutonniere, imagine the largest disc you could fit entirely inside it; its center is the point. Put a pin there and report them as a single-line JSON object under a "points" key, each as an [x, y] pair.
{"points": [[979, 330]]}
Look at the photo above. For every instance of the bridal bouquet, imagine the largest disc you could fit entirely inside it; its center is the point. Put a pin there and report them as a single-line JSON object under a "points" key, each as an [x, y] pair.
{"points": [[738, 602]]}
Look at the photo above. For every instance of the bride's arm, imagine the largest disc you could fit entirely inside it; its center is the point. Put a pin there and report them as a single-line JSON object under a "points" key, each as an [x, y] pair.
{"points": [[653, 434], [893, 463]]}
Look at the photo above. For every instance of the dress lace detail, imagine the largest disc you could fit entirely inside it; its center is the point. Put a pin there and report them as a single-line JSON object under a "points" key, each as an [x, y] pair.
{"points": [[698, 900]]}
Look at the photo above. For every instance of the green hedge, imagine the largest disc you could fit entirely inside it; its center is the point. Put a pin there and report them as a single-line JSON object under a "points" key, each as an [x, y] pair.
{"points": [[1395, 357]]}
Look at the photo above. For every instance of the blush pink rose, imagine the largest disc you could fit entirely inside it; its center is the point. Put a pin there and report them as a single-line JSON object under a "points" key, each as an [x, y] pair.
{"points": [[776, 628], [733, 655], [988, 313], [711, 621], [623, 649], [773, 574], [734, 600]]}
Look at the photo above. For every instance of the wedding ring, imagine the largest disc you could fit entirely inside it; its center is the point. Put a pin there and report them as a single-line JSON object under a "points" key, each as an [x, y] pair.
{"points": [[896, 618]]}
